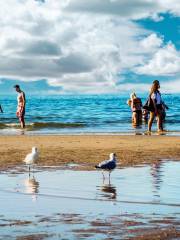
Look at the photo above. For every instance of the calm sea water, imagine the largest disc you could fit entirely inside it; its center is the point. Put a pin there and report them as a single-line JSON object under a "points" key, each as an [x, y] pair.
{"points": [[81, 114]]}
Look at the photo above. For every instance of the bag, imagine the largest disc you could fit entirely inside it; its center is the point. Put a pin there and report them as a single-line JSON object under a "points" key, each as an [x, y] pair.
{"points": [[149, 106]]}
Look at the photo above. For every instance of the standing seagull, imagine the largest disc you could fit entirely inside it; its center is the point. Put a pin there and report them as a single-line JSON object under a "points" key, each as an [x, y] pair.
{"points": [[32, 157], [108, 165]]}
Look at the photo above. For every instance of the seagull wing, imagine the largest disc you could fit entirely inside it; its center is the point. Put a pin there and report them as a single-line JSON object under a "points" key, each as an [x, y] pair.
{"points": [[36, 156], [104, 163], [29, 158], [109, 164]]}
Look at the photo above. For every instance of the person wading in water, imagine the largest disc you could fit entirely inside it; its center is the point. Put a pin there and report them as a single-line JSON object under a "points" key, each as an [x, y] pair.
{"points": [[136, 107], [20, 113], [157, 109]]}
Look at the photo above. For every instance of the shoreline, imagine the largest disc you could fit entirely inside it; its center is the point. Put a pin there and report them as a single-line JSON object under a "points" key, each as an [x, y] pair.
{"points": [[88, 150], [24, 132]]}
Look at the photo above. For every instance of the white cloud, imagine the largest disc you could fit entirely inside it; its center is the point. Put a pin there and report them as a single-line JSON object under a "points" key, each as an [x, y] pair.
{"points": [[65, 43], [41, 48], [172, 6], [129, 9], [172, 86], [152, 42], [166, 61]]}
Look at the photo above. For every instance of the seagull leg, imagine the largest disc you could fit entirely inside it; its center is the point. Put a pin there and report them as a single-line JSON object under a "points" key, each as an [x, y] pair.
{"points": [[33, 170], [29, 171], [109, 176], [103, 175], [103, 181]]}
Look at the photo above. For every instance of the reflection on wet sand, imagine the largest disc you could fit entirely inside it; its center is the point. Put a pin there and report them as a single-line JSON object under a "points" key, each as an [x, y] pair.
{"points": [[70, 205], [31, 187], [107, 191], [156, 173]]}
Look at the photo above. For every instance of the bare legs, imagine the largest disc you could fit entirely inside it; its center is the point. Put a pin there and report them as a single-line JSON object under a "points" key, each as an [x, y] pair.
{"points": [[159, 121], [136, 118], [22, 122], [151, 118], [104, 176]]}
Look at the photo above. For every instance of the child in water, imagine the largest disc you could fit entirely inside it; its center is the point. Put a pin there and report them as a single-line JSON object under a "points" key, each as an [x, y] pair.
{"points": [[145, 115]]}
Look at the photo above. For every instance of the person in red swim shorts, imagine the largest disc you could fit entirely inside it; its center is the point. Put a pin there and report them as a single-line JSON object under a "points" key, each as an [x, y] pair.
{"points": [[20, 113]]}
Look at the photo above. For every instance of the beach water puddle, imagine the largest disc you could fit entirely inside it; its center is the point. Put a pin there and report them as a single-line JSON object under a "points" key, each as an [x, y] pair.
{"points": [[69, 204]]}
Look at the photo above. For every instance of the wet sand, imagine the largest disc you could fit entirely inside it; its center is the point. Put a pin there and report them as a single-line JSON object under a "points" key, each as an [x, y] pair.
{"points": [[114, 227], [68, 204], [88, 150]]}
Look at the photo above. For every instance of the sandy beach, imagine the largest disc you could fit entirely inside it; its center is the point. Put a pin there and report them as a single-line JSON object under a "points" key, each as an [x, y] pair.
{"points": [[122, 208], [88, 150]]}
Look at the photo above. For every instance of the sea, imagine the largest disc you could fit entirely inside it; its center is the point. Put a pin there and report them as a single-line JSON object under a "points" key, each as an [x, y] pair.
{"points": [[82, 114]]}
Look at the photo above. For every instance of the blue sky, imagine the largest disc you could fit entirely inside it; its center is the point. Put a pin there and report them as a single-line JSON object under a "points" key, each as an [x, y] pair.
{"points": [[86, 47]]}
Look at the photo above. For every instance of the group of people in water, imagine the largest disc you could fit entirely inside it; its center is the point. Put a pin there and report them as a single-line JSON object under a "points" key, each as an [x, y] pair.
{"points": [[154, 107]]}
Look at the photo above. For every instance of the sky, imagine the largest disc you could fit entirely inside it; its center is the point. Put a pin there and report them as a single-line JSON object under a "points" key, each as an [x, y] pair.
{"points": [[89, 47]]}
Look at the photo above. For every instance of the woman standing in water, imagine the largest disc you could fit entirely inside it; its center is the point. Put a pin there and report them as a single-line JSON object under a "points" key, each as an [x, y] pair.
{"points": [[20, 113], [156, 110]]}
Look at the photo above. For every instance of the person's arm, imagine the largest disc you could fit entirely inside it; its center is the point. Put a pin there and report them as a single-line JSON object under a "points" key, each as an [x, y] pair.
{"points": [[155, 108], [164, 105], [153, 97], [132, 104], [129, 102], [141, 103], [23, 99], [1, 109]]}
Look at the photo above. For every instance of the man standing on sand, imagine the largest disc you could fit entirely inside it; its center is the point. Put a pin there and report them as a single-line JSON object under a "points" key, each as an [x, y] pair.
{"points": [[20, 113]]}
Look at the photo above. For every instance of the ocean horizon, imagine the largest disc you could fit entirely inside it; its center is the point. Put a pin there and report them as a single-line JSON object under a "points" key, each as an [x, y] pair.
{"points": [[82, 114]]}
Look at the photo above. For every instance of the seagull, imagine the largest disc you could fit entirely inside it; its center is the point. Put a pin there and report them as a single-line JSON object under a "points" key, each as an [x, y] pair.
{"points": [[32, 157], [108, 165]]}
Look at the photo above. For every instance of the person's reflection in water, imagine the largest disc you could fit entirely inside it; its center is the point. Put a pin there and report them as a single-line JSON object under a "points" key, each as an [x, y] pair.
{"points": [[156, 174], [32, 187]]}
